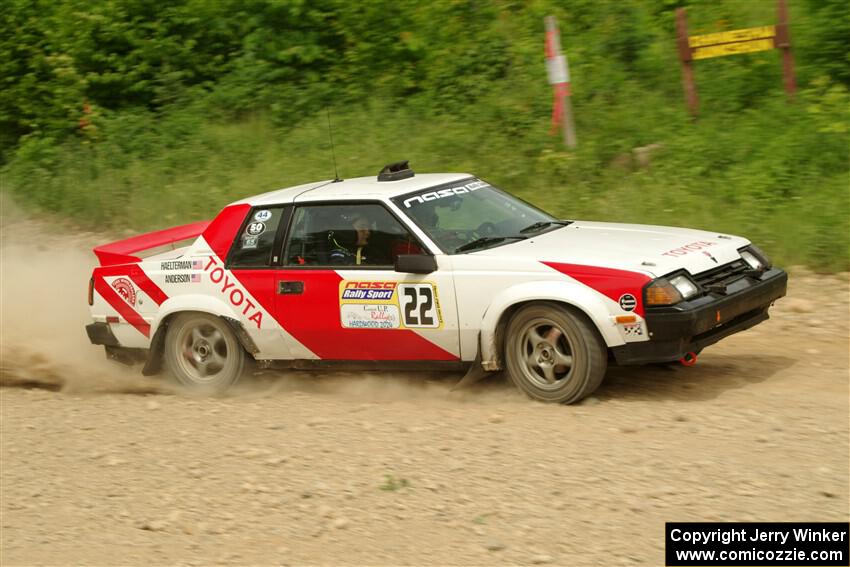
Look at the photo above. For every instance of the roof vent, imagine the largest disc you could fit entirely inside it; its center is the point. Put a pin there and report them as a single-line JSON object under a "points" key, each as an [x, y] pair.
{"points": [[395, 171]]}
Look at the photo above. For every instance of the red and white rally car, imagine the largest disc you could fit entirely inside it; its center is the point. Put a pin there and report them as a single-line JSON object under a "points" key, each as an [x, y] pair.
{"points": [[435, 270]]}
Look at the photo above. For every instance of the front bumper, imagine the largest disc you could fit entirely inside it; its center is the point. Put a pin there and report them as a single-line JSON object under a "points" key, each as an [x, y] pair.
{"points": [[690, 326]]}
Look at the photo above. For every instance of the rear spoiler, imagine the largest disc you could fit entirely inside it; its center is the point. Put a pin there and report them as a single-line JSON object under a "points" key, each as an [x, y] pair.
{"points": [[121, 251]]}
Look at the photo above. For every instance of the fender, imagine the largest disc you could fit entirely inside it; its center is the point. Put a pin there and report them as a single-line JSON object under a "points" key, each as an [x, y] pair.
{"points": [[153, 361], [585, 299], [193, 302]]}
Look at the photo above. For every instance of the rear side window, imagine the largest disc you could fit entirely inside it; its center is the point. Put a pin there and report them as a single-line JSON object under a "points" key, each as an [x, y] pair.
{"points": [[254, 244]]}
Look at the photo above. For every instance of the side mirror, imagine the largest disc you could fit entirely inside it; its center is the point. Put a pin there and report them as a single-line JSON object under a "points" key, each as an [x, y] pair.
{"points": [[415, 263]]}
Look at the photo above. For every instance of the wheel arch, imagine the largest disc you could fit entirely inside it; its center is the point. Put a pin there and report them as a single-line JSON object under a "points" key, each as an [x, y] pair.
{"points": [[175, 306], [579, 299]]}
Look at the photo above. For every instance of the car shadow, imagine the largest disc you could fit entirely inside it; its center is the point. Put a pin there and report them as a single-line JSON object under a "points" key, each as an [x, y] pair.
{"points": [[705, 381], [708, 379]]}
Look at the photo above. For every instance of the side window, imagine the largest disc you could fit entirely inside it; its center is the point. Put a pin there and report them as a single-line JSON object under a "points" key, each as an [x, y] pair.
{"points": [[347, 235], [253, 246]]}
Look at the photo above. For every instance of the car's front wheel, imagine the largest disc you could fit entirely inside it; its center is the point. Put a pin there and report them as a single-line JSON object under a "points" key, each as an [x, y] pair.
{"points": [[554, 354], [202, 353]]}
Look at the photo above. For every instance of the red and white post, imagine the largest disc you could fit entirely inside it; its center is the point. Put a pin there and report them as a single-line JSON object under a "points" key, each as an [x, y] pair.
{"points": [[559, 77]]}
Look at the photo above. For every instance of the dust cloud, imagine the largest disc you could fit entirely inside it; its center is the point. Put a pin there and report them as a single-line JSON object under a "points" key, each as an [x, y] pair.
{"points": [[44, 274]]}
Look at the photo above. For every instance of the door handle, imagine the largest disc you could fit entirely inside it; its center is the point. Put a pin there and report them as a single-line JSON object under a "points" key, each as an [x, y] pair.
{"points": [[289, 287]]}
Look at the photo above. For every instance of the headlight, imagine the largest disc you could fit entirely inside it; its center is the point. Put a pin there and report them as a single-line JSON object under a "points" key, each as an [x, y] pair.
{"points": [[684, 286], [751, 260], [754, 257], [672, 290]]}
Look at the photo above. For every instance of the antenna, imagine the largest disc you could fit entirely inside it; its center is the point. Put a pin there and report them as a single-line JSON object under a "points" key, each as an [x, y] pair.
{"points": [[333, 153]]}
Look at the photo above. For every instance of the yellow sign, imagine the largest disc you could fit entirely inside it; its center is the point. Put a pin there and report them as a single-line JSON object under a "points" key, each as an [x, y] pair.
{"points": [[732, 48], [748, 34]]}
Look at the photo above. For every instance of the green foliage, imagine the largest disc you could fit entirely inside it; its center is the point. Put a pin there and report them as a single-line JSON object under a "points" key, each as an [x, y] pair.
{"points": [[131, 113], [828, 27]]}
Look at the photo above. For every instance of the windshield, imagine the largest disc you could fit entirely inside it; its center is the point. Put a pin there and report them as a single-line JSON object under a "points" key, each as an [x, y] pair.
{"points": [[471, 214]]}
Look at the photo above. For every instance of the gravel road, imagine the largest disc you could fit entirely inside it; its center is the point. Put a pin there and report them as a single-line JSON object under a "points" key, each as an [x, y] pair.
{"points": [[103, 467]]}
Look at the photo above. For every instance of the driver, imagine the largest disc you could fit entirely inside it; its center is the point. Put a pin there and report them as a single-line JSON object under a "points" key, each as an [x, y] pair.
{"points": [[358, 252]]}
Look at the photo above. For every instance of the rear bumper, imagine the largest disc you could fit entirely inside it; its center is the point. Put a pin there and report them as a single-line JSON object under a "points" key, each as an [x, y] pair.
{"points": [[101, 334], [693, 325]]}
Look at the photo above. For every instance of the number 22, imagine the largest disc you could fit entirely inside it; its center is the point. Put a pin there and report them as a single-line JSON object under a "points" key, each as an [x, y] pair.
{"points": [[424, 300]]}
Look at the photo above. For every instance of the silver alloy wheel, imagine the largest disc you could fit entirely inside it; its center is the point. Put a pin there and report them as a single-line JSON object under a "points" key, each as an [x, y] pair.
{"points": [[554, 353], [546, 353], [203, 351]]}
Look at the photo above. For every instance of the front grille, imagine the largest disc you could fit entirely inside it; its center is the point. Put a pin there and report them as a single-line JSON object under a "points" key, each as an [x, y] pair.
{"points": [[721, 276]]}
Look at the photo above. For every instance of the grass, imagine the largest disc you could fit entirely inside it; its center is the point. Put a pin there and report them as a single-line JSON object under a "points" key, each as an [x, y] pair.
{"points": [[778, 176]]}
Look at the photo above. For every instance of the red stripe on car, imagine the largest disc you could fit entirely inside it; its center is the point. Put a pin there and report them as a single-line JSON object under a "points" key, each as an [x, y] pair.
{"points": [[607, 281], [313, 319], [138, 276], [121, 306], [222, 230]]}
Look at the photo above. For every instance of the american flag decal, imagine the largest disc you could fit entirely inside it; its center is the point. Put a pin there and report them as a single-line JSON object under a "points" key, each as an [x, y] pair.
{"points": [[196, 278], [197, 265]]}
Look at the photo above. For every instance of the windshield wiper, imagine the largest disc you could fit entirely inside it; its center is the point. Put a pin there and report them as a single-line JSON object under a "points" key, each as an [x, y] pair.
{"points": [[543, 224], [486, 241]]}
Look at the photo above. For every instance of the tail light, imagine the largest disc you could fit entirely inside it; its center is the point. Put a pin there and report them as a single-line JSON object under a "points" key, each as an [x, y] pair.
{"points": [[91, 291]]}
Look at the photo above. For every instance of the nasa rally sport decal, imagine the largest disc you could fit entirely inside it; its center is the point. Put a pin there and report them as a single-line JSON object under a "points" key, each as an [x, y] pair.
{"points": [[628, 302]]}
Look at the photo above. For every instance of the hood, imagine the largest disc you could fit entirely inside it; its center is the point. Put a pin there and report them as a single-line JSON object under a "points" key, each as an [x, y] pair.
{"points": [[657, 250]]}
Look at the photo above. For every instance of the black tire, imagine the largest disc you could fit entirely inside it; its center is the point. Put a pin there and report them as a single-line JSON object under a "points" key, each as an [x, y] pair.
{"points": [[554, 354], [203, 354]]}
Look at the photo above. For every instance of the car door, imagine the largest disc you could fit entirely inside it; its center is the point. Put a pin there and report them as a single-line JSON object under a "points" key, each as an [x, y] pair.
{"points": [[338, 294]]}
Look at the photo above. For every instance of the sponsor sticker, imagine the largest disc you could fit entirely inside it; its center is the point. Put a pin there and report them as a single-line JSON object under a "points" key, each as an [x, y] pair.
{"points": [[256, 228], [367, 291], [635, 330], [389, 305], [442, 193], [360, 291], [262, 216], [370, 294], [125, 289], [628, 302], [366, 316]]}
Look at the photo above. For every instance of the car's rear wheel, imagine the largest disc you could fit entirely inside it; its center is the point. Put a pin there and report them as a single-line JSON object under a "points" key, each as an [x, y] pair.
{"points": [[554, 354], [202, 353]]}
